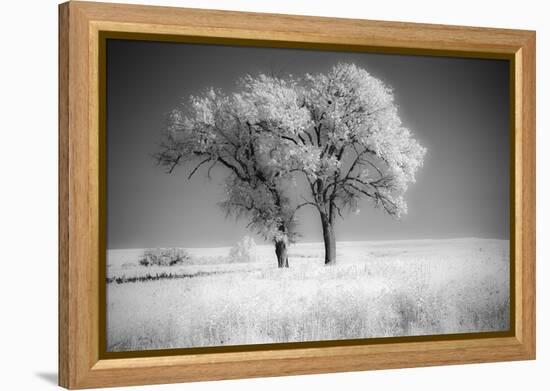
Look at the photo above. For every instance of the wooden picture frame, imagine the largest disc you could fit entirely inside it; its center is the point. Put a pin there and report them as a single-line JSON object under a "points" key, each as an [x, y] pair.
{"points": [[82, 200]]}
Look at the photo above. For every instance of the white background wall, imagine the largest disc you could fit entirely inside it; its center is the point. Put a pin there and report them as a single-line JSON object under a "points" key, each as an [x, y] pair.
{"points": [[28, 195]]}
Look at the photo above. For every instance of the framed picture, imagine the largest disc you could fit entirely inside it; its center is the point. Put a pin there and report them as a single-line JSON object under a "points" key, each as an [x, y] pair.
{"points": [[247, 195]]}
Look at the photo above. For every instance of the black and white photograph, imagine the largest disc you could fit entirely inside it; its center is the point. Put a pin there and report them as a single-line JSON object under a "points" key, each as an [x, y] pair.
{"points": [[261, 195]]}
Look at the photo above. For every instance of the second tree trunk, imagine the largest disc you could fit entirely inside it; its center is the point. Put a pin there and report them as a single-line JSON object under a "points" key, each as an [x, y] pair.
{"points": [[281, 249], [329, 239]]}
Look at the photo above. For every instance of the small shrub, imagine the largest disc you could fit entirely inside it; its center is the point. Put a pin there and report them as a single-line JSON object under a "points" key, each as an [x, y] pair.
{"points": [[164, 257], [244, 252]]}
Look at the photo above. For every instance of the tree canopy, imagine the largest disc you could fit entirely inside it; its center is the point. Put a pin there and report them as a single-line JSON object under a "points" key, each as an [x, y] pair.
{"points": [[339, 130]]}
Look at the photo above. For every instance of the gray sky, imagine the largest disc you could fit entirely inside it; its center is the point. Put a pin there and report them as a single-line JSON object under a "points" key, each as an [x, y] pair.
{"points": [[457, 108]]}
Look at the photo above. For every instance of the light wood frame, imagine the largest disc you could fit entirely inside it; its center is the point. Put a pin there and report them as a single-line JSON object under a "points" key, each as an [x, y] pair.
{"points": [[80, 171]]}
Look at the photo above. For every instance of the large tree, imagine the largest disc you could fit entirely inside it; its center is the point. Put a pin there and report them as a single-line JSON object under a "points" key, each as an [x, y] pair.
{"points": [[339, 130], [242, 132], [354, 147]]}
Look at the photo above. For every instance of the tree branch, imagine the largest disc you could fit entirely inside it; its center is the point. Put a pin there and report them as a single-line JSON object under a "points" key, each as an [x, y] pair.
{"points": [[175, 163], [197, 167], [304, 204], [290, 139], [362, 191], [232, 167], [210, 169]]}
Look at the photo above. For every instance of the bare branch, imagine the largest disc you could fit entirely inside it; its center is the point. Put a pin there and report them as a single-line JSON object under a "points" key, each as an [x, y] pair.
{"points": [[362, 191], [233, 168], [197, 167], [175, 163], [290, 139], [304, 204], [210, 169], [338, 210]]}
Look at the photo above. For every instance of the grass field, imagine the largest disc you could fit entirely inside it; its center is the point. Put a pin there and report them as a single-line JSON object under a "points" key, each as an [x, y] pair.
{"points": [[377, 289]]}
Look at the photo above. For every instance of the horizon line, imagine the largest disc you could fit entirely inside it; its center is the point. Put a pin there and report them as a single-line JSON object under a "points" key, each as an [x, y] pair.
{"points": [[321, 242]]}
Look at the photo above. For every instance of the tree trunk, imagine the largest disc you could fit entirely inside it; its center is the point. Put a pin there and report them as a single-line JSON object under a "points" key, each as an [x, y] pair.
{"points": [[329, 238], [281, 249]]}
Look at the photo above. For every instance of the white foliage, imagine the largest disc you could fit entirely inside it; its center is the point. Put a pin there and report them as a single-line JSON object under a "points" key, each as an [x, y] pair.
{"points": [[355, 116]]}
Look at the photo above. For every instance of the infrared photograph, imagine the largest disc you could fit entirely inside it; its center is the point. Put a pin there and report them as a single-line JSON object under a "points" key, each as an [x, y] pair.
{"points": [[263, 195]]}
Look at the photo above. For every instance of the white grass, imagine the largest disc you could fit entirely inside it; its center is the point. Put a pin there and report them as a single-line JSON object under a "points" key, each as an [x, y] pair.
{"points": [[377, 289]]}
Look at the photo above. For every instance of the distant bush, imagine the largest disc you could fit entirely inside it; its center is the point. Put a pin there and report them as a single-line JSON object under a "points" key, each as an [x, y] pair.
{"points": [[244, 252], [164, 257]]}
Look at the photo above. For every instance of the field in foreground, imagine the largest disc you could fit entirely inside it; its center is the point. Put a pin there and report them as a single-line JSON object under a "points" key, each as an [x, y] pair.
{"points": [[377, 289]]}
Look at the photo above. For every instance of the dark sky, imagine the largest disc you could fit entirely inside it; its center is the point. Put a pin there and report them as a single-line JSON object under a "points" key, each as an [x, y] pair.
{"points": [[457, 108]]}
